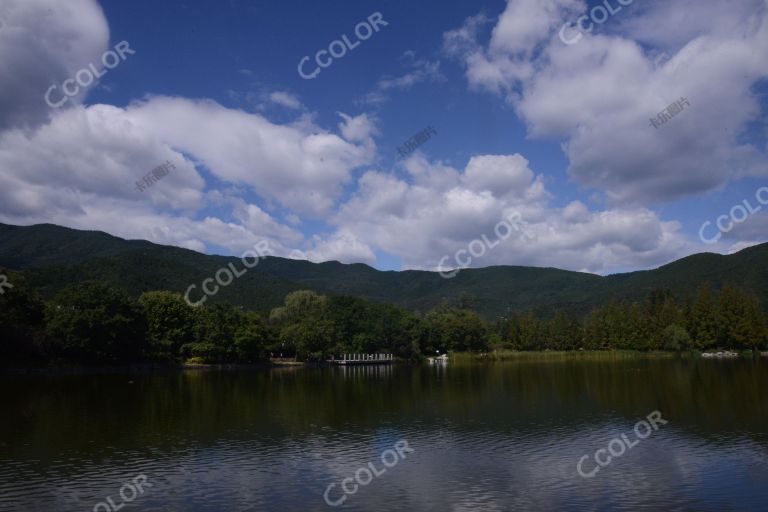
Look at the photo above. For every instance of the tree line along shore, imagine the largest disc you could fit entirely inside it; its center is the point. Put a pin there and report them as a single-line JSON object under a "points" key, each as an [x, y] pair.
{"points": [[92, 323]]}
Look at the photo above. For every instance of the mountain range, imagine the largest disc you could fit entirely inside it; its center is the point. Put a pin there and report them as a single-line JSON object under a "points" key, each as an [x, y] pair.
{"points": [[51, 257]]}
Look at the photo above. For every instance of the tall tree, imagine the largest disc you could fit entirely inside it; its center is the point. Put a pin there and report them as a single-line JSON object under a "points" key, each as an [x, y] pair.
{"points": [[702, 320], [741, 324], [21, 323], [304, 325], [170, 323], [95, 323], [252, 339]]}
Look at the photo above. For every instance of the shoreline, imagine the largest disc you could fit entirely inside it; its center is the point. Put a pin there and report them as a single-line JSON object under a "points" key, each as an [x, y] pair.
{"points": [[503, 355], [462, 357], [140, 368]]}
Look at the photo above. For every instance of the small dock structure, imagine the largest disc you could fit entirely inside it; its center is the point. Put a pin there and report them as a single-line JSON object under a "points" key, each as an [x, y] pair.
{"points": [[355, 359], [720, 355]]}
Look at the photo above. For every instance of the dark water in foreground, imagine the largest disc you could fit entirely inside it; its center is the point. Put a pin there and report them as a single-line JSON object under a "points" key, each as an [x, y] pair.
{"points": [[504, 436]]}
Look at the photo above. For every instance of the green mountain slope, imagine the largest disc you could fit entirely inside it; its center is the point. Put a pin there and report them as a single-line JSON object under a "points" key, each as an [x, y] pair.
{"points": [[747, 269], [52, 257]]}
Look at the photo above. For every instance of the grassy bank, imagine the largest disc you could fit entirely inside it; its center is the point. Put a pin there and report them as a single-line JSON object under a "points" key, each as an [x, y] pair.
{"points": [[597, 355]]}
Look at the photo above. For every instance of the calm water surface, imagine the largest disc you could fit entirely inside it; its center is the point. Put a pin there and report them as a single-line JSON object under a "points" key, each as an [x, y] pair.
{"points": [[495, 437]]}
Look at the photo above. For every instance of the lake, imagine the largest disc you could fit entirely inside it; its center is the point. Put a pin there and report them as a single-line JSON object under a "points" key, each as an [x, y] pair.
{"points": [[462, 437]]}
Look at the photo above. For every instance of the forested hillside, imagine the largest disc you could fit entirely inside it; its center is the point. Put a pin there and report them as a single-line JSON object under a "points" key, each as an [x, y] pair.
{"points": [[90, 298], [52, 257]]}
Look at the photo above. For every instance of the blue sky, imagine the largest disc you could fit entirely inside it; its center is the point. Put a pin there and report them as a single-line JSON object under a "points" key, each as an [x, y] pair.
{"points": [[526, 124]]}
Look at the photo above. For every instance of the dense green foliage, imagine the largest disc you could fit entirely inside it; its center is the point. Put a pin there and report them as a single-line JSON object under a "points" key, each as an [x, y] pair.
{"points": [[93, 323], [728, 319], [89, 298], [52, 258]]}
